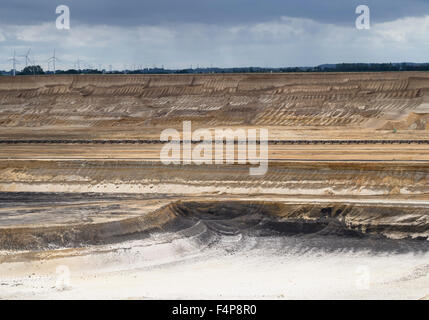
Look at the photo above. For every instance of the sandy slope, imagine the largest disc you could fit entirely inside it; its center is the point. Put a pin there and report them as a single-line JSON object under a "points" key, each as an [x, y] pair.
{"points": [[248, 268], [142, 105]]}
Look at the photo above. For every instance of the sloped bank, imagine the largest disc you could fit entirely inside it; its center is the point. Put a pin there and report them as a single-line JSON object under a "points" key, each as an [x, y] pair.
{"points": [[209, 221]]}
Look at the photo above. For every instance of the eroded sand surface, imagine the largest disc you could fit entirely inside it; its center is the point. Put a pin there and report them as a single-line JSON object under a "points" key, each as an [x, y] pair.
{"points": [[202, 265], [342, 212], [230, 248]]}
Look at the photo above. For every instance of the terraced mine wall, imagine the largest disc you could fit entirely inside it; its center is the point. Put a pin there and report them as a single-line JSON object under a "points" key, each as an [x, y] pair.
{"points": [[208, 220], [136, 105], [323, 179], [354, 145]]}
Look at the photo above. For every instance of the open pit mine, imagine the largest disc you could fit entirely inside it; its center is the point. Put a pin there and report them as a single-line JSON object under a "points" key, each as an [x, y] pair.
{"points": [[88, 209]]}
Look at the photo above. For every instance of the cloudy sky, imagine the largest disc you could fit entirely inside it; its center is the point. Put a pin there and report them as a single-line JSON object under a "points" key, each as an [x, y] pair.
{"points": [[222, 33]]}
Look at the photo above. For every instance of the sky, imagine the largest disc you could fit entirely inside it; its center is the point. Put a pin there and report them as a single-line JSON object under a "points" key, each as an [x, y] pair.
{"points": [[130, 34]]}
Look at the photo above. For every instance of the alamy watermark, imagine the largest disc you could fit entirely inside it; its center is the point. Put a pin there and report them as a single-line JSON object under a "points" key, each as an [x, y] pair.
{"points": [[218, 146], [363, 20], [363, 277], [63, 278], [63, 20]]}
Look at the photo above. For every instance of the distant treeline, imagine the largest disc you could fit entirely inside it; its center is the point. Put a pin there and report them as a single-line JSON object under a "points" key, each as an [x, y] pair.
{"points": [[374, 67], [341, 67]]}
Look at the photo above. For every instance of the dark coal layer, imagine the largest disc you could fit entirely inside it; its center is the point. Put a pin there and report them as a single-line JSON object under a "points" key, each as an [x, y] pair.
{"points": [[260, 222], [235, 225], [11, 199]]}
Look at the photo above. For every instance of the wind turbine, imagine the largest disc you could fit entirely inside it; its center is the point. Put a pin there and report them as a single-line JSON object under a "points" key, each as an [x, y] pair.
{"points": [[78, 61], [34, 67], [14, 60], [53, 59], [26, 57]]}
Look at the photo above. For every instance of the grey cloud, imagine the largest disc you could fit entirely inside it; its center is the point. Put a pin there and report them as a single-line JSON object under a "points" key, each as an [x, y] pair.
{"points": [[178, 33], [143, 12]]}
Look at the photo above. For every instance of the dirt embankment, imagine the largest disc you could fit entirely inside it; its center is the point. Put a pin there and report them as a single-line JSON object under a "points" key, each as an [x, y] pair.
{"points": [[140, 105], [209, 220], [121, 176]]}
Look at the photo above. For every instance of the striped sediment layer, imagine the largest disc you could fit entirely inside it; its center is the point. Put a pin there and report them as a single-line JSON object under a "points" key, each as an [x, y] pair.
{"points": [[208, 221], [319, 178], [354, 145], [106, 106]]}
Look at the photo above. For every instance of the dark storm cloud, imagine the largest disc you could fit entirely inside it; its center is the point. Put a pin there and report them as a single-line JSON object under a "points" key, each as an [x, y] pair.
{"points": [[138, 12]]}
